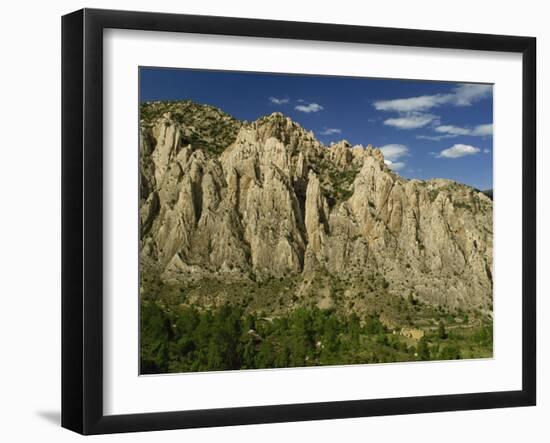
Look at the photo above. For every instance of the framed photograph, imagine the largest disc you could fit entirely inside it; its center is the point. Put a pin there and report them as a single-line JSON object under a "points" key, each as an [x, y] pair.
{"points": [[269, 221]]}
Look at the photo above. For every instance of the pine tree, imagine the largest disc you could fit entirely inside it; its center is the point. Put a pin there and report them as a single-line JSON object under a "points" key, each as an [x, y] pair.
{"points": [[441, 330], [422, 349]]}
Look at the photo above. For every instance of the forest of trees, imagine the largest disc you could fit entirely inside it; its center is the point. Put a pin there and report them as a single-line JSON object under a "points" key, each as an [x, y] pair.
{"points": [[190, 340]]}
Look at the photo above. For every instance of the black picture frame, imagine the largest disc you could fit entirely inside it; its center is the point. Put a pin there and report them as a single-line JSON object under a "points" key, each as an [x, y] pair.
{"points": [[82, 218]]}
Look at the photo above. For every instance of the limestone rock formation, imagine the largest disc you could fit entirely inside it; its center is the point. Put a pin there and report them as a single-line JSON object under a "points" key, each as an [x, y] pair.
{"points": [[229, 200]]}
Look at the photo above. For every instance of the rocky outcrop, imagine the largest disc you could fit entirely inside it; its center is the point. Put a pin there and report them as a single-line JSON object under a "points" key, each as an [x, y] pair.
{"points": [[275, 202]]}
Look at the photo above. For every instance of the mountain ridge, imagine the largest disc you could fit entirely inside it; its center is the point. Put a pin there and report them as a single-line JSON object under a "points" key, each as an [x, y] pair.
{"points": [[248, 202]]}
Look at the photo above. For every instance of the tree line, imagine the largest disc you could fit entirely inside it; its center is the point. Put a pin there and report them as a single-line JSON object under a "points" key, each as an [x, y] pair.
{"points": [[189, 339]]}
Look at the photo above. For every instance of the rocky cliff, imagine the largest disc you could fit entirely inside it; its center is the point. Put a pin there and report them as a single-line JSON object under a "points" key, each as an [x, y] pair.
{"points": [[248, 203]]}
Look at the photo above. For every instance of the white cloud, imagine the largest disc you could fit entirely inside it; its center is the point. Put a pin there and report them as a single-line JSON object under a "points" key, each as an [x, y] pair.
{"points": [[395, 166], [483, 130], [421, 103], [457, 151], [486, 151], [411, 120], [463, 95], [311, 107], [331, 131], [278, 101], [394, 151], [435, 137], [452, 130], [479, 130], [412, 111]]}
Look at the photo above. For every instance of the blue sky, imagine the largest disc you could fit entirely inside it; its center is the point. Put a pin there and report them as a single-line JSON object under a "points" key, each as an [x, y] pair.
{"points": [[426, 129]]}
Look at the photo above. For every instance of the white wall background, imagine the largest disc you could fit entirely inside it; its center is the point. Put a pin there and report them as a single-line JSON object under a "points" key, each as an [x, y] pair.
{"points": [[30, 219]]}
